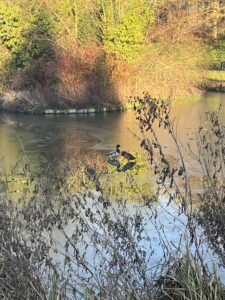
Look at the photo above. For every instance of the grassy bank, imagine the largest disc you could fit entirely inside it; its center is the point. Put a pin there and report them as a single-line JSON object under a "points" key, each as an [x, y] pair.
{"points": [[215, 81]]}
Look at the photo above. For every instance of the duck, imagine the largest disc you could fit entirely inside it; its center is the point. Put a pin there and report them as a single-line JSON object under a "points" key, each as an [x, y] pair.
{"points": [[128, 155], [114, 162], [128, 166], [114, 154]]}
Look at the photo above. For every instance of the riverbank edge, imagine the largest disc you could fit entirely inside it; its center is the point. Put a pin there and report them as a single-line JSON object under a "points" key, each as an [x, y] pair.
{"points": [[26, 103], [68, 111], [19, 102]]}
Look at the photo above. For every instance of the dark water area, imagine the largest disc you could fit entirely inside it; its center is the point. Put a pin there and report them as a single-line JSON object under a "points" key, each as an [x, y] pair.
{"points": [[44, 139]]}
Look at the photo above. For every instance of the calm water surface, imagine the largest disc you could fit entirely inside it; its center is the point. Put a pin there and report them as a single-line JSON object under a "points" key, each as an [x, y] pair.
{"points": [[59, 138], [42, 139]]}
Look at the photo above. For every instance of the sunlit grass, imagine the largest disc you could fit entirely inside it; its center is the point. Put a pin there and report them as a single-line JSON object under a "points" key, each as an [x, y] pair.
{"points": [[216, 75], [188, 99]]}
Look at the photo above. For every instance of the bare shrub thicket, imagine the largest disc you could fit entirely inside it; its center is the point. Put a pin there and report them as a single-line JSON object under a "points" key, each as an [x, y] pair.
{"points": [[207, 154], [72, 78]]}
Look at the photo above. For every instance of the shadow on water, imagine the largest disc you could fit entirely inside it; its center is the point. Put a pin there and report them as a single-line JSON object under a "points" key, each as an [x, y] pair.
{"points": [[121, 168]]}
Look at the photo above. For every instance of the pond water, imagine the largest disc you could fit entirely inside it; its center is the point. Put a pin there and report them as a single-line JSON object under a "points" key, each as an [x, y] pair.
{"points": [[43, 138]]}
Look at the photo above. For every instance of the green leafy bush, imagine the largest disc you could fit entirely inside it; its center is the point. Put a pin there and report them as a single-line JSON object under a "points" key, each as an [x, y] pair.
{"points": [[217, 52], [11, 27], [37, 40], [126, 38]]}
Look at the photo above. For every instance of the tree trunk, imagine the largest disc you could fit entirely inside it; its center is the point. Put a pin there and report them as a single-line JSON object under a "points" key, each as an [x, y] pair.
{"points": [[215, 16]]}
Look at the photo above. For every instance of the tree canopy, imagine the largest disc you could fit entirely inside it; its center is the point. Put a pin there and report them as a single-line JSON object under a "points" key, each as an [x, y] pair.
{"points": [[125, 33]]}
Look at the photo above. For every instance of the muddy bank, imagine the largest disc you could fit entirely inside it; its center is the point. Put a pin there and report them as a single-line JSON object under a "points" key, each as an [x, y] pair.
{"points": [[215, 86], [34, 102]]}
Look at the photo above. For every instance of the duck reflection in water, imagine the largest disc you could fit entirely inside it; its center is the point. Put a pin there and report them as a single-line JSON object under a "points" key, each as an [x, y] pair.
{"points": [[124, 168], [127, 166], [114, 162]]}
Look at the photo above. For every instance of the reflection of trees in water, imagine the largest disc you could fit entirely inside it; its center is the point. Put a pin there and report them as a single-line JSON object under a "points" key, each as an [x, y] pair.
{"points": [[132, 183], [33, 138], [8, 146], [81, 175]]}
